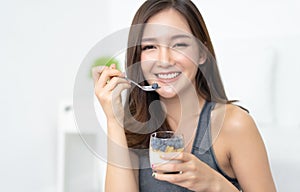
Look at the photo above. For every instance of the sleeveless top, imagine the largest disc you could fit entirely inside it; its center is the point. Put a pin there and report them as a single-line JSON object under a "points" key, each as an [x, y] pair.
{"points": [[202, 149]]}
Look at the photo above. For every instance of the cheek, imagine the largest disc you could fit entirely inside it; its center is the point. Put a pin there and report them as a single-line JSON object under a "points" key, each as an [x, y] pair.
{"points": [[146, 67], [149, 55], [193, 57], [188, 62], [191, 68], [189, 55]]}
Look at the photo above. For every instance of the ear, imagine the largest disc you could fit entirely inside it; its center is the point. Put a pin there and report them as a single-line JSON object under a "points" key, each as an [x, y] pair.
{"points": [[202, 58]]}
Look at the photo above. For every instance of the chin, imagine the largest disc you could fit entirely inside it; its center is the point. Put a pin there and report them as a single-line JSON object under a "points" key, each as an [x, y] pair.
{"points": [[167, 92]]}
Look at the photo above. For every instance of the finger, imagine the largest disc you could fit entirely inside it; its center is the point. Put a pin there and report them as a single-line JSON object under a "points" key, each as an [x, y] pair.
{"points": [[172, 178], [112, 66], [184, 180], [169, 167], [119, 88], [107, 74], [183, 164], [115, 81], [96, 72], [181, 156]]}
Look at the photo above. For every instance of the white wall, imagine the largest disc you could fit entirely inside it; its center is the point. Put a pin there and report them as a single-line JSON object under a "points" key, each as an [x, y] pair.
{"points": [[43, 43]]}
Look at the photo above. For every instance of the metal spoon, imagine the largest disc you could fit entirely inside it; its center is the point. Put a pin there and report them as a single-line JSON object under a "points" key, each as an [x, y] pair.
{"points": [[152, 87]]}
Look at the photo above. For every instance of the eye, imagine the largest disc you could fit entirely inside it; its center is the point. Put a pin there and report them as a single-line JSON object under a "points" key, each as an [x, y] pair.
{"points": [[178, 45], [147, 47]]}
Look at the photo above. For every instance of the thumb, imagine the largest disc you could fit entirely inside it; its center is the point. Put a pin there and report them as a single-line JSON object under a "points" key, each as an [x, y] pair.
{"points": [[113, 66]]}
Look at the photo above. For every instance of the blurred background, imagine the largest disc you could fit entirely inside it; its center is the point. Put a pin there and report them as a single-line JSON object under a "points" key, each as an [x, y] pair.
{"points": [[43, 42]]}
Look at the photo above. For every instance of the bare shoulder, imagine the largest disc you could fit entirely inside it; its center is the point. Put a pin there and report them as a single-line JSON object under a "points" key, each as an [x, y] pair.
{"points": [[241, 135], [238, 121], [239, 129], [233, 126]]}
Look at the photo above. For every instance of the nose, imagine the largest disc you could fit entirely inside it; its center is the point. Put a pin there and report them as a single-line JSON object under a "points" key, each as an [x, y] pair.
{"points": [[165, 57]]}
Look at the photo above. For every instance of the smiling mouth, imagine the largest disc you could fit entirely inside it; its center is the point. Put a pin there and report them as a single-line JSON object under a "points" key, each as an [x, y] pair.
{"points": [[168, 76]]}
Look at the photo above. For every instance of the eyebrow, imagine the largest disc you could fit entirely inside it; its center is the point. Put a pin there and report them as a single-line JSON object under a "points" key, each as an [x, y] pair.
{"points": [[179, 36]]}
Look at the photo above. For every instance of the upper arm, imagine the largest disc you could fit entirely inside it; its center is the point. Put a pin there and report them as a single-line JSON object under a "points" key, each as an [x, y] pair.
{"points": [[248, 156]]}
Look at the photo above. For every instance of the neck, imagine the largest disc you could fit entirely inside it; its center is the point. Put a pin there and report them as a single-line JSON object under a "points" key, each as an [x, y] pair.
{"points": [[183, 110]]}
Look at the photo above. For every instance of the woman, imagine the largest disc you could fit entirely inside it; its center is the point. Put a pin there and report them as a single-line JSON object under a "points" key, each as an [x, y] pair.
{"points": [[170, 45]]}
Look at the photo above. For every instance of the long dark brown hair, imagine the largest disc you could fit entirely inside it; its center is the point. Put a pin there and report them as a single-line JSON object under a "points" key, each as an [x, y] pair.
{"points": [[139, 122]]}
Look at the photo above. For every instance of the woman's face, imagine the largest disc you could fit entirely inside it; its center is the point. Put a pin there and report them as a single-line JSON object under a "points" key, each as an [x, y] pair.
{"points": [[170, 55]]}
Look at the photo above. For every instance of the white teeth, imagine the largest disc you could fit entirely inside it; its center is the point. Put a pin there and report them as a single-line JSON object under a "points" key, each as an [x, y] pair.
{"points": [[168, 75]]}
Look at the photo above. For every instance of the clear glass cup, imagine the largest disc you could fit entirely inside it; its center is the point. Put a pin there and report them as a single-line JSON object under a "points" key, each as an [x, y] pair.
{"points": [[167, 143]]}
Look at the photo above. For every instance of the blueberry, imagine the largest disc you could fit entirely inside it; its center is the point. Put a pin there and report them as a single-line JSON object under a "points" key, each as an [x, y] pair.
{"points": [[171, 142], [155, 143], [178, 144], [163, 147], [155, 86]]}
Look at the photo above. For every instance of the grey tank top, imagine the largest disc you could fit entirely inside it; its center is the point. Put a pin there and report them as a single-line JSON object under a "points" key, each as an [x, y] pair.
{"points": [[201, 149]]}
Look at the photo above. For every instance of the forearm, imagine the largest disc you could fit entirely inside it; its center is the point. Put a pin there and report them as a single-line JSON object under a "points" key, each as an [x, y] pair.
{"points": [[119, 175], [120, 179]]}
